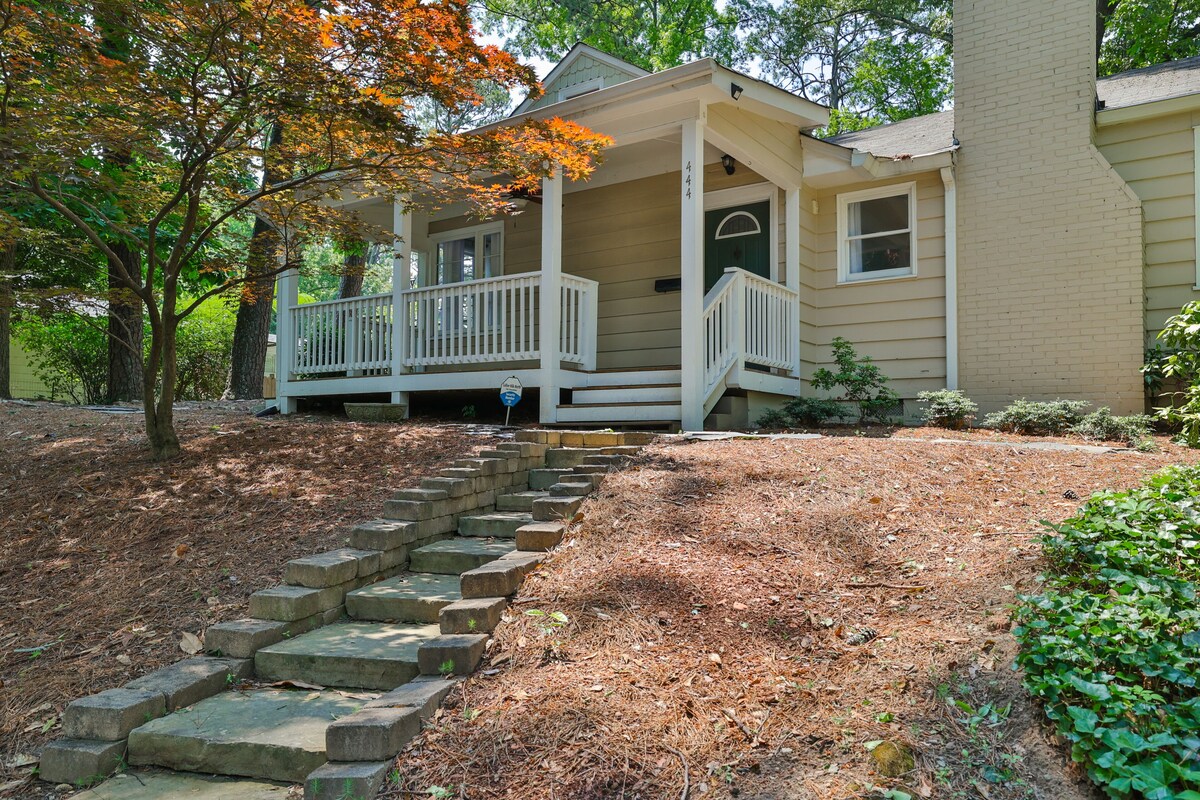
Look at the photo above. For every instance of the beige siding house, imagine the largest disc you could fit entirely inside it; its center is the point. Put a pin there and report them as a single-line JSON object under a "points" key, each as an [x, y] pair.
{"points": [[1027, 243]]}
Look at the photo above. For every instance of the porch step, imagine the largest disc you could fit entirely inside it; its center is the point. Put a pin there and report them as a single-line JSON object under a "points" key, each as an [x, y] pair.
{"points": [[628, 393], [415, 597], [365, 655], [517, 501], [499, 525], [626, 376], [265, 733], [458, 555], [620, 412]]}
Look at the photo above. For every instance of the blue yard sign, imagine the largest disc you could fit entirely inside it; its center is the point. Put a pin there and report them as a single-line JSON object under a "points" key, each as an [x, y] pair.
{"points": [[510, 395]]}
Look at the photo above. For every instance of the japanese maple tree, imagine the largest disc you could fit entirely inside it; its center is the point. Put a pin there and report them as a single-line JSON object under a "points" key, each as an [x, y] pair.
{"points": [[191, 104]]}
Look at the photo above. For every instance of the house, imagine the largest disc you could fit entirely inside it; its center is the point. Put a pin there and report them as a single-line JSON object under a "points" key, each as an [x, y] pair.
{"points": [[1028, 243]]}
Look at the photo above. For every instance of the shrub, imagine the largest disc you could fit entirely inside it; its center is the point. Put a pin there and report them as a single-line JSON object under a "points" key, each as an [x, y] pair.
{"points": [[1101, 425], [205, 350], [1178, 358], [1112, 645], [773, 419], [69, 354], [1038, 419], [948, 408], [801, 412], [862, 382]]}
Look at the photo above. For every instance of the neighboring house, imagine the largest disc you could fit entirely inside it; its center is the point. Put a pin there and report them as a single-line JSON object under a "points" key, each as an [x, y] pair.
{"points": [[1028, 243], [23, 380]]}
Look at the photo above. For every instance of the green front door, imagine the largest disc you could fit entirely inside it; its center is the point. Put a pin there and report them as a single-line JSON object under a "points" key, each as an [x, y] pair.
{"points": [[737, 237]]}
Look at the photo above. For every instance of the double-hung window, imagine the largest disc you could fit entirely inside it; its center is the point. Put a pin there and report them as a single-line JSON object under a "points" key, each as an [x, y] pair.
{"points": [[460, 257], [877, 233]]}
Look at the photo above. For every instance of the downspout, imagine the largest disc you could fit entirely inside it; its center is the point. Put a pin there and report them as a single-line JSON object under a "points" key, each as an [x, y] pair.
{"points": [[951, 220]]}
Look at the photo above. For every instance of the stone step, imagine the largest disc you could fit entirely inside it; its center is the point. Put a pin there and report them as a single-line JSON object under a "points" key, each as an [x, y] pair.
{"points": [[563, 457], [458, 555], [160, 785], [501, 524], [517, 501], [265, 733], [366, 655], [542, 479], [413, 597]]}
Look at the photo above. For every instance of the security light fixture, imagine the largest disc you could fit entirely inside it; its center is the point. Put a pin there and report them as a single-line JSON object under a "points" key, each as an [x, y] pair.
{"points": [[728, 163], [735, 91]]}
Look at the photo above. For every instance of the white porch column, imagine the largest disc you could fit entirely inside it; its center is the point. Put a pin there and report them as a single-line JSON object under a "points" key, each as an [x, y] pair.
{"points": [[287, 297], [402, 228], [791, 258], [550, 302], [691, 274]]}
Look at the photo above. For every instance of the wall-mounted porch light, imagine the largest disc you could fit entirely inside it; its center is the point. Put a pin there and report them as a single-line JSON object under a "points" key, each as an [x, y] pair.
{"points": [[735, 91], [728, 163]]}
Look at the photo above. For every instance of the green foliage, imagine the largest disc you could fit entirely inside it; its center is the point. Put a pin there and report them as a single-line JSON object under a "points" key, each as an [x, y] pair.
{"points": [[1101, 425], [1180, 345], [69, 354], [652, 34], [801, 412], [1141, 33], [1112, 645], [947, 408], [205, 350], [1032, 418], [861, 381]]}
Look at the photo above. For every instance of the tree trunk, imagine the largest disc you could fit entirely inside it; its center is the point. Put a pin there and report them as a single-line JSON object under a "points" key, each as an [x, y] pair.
{"points": [[253, 326], [161, 372], [124, 330], [354, 269], [7, 263]]}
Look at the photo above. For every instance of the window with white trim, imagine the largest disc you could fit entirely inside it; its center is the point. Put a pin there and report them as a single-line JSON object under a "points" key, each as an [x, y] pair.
{"points": [[469, 254], [877, 233], [739, 223]]}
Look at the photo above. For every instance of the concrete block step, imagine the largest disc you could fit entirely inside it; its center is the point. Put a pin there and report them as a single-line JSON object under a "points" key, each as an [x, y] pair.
{"points": [[265, 733], [365, 655], [566, 457], [458, 555], [542, 479], [501, 524], [158, 785], [517, 501], [413, 597]]}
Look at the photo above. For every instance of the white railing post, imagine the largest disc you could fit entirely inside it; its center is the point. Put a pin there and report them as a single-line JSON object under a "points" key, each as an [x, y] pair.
{"points": [[791, 246], [402, 229], [353, 340], [691, 274], [550, 311], [287, 297], [741, 319], [591, 321]]}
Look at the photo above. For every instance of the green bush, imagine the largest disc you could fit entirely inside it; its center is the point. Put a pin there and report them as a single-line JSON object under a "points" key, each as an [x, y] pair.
{"points": [[205, 350], [1102, 426], [68, 353], [948, 408], [1031, 418], [774, 419], [861, 381], [1177, 358], [801, 412], [1112, 645]]}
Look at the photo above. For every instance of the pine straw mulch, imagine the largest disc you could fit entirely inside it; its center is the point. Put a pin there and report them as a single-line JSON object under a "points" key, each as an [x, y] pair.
{"points": [[108, 557], [748, 618]]}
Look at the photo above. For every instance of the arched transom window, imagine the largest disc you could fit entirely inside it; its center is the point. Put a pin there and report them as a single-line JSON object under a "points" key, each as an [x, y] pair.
{"points": [[739, 223]]}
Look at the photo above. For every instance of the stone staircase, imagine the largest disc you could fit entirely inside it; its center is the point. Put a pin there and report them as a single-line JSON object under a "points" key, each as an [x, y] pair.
{"points": [[337, 668]]}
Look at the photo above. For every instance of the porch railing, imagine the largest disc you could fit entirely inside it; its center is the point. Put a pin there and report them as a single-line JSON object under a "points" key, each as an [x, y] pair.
{"points": [[474, 322], [747, 320], [352, 336]]}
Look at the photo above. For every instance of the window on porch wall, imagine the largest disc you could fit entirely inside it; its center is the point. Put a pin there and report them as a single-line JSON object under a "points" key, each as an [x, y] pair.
{"points": [[460, 261]]}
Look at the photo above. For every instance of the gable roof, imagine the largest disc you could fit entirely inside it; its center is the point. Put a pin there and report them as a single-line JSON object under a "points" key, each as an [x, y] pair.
{"points": [[582, 64], [934, 133]]}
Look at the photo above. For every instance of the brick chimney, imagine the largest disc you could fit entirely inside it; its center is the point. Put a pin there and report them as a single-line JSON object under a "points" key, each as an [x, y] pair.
{"points": [[1050, 297]]}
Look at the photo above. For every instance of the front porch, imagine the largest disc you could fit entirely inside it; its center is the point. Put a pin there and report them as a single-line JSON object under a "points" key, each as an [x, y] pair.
{"points": [[653, 322]]}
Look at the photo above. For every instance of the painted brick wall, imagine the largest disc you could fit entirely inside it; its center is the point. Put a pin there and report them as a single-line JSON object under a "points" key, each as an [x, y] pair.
{"points": [[1050, 237]]}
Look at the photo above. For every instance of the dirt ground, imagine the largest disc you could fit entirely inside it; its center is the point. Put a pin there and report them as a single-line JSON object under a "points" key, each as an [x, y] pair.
{"points": [[778, 619], [108, 559]]}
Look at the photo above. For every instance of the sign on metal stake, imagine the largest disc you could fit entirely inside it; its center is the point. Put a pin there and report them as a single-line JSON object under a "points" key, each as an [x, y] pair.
{"points": [[510, 395]]}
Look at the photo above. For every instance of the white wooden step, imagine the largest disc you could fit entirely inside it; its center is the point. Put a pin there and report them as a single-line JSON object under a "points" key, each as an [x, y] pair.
{"points": [[634, 377], [621, 413], [630, 393]]}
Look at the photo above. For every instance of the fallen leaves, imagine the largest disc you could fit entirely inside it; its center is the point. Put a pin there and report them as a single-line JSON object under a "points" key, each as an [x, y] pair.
{"points": [[190, 643]]}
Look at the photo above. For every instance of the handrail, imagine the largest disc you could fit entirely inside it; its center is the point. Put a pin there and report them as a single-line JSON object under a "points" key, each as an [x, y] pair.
{"points": [[351, 335], [472, 322], [578, 322]]}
